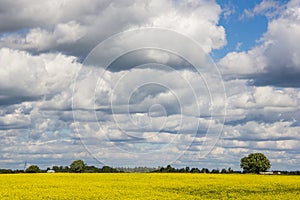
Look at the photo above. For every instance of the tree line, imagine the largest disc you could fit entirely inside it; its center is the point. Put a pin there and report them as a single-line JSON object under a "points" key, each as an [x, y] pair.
{"points": [[253, 163]]}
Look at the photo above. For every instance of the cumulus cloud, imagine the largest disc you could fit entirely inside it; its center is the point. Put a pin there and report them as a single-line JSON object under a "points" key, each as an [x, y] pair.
{"points": [[275, 60], [152, 112], [26, 77], [151, 101], [259, 119], [35, 93], [76, 27], [142, 110], [38, 39]]}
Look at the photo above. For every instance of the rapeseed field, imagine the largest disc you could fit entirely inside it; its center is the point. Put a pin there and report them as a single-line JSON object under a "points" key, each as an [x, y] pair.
{"points": [[148, 186]]}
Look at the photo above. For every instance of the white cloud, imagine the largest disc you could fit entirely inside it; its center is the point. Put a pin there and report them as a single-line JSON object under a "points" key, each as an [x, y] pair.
{"points": [[76, 27], [48, 124], [228, 10], [275, 60], [39, 39], [199, 23], [253, 103], [129, 96], [37, 89], [45, 123], [269, 97], [30, 77], [269, 8], [243, 63]]}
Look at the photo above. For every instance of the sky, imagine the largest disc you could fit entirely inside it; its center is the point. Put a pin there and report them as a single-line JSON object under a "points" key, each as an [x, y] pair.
{"points": [[197, 83]]}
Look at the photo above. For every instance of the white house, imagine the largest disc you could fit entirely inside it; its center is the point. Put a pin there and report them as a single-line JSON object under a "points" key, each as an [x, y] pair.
{"points": [[269, 173]]}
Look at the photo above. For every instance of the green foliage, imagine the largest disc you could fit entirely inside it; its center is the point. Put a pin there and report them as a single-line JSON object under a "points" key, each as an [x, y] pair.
{"points": [[215, 171], [107, 169], [255, 163], [230, 170], [91, 169], [168, 169], [33, 169], [61, 168], [137, 169], [204, 170], [77, 166], [6, 171], [195, 170]]}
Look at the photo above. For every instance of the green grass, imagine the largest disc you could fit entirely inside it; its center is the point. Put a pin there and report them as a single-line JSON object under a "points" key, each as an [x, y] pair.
{"points": [[148, 186]]}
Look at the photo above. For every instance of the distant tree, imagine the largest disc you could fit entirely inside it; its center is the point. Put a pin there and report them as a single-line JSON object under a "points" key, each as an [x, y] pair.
{"points": [[182, 170], [255, 163], [77, 166], [56, 168], [195, 170], [91, 169], [33, 169], [187, 169], [66, 169], [223, 171], [61, 168], [170, 169], [215, 171], [6, 171], [204, 170], [230, 170], [107, 169]]}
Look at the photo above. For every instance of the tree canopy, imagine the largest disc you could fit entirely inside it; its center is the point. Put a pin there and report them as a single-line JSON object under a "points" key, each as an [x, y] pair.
{"points": [[255, 163], [32, 169], [77, 166]]}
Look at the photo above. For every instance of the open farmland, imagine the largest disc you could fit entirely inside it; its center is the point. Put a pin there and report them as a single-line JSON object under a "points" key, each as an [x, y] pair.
{"points": [[148, 186]]}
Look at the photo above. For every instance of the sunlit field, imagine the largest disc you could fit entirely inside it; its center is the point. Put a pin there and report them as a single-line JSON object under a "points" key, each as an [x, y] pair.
{"points": [[148, 186]]}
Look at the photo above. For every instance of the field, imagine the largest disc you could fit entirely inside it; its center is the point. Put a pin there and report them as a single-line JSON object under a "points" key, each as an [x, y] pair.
{"points": [[148, 186]]}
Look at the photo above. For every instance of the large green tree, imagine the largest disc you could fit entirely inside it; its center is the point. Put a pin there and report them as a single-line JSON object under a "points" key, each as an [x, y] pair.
{"points": [[77, 166], [255, 163], [33, 169]]}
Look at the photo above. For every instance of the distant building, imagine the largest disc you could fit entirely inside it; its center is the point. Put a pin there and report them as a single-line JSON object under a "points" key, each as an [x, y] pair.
{"points": [[50, 171], [270, 173]]}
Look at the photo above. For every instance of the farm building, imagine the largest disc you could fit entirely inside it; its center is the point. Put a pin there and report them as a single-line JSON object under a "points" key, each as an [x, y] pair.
{"points": [[269, 173]]}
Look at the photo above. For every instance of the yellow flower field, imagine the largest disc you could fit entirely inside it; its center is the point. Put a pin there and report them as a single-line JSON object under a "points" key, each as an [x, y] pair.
{"points": [[148, 186]]}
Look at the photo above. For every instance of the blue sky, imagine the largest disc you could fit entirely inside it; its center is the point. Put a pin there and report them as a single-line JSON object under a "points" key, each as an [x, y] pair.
{"points": [[242, 33], [131, 83]]}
